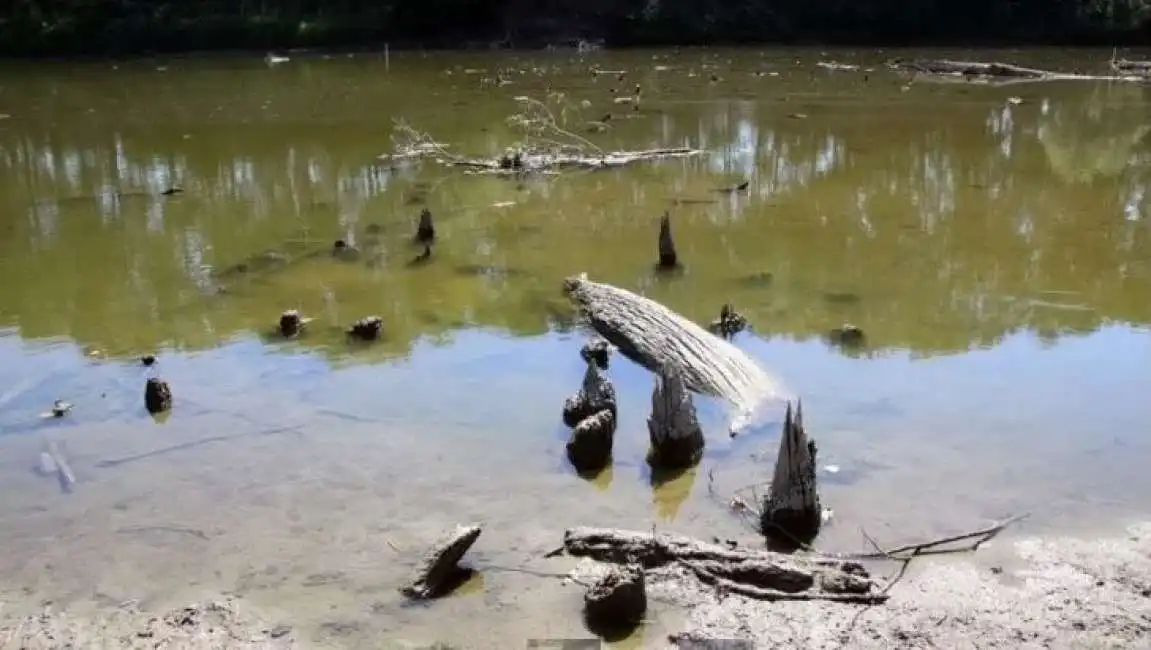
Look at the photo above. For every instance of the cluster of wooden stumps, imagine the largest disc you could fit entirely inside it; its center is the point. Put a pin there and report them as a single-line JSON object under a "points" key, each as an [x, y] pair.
{"points": [[369, 328], [676, 437]]}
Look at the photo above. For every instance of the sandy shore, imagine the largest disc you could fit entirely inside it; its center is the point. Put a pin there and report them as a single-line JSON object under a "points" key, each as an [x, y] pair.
{"points": [[1032, 592], [1055, 592]]}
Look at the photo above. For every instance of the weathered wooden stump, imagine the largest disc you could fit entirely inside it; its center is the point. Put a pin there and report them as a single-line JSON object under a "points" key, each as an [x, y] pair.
{"points": [[439, 571], [598, 350], [791, 512], [589, 448], [676, 437], [157, 395], [595, 394], [847, 335], [425, 230], [729, 323], [367, 328], [617, 601], [668, 260], [291, 323]]}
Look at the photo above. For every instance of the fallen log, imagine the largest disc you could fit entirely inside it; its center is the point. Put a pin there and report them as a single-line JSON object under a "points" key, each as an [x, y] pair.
{"points": [[676, 437], [554, 161], [791, 514], [657, 338], [762, 575], [993, 69], [439, 571]]}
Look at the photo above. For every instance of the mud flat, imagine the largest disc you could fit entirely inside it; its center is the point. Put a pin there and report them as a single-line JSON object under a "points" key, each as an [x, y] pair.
{"points": [[221, 623], [1051, 592]]}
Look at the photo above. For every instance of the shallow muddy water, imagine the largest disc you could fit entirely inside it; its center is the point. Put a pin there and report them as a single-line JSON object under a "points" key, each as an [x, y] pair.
{"points": [[992, 242]]}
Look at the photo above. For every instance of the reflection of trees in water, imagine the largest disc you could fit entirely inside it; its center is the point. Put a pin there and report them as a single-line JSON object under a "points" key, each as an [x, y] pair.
{"points": [[1098, 135], [951, 231]]}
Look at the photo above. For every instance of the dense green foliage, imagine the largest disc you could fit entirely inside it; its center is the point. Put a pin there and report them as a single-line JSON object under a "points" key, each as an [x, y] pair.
{"points": [[106, 26]]}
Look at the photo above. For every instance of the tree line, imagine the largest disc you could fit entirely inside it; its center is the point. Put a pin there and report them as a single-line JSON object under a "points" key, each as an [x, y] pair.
{"points": [[47, 27]]}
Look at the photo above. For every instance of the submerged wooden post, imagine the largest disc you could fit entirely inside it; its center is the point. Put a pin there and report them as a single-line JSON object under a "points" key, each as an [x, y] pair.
{"points": [[676, 437], [426, 230], [667, 257], [791, 512], [591, 413]]}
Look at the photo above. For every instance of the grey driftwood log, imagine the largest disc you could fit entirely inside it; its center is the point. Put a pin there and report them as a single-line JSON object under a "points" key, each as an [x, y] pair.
{"points": [[617, 600], [439, 570], [656, 338], [157, 395], [676, 437], [668, 259], [754, 573], [791, 511]]}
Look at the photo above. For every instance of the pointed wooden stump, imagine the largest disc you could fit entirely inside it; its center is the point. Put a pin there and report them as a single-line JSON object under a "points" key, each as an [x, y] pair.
{"points": [[439, 571], [426, 230], [668, 260], [791, 512], [676, 437]]}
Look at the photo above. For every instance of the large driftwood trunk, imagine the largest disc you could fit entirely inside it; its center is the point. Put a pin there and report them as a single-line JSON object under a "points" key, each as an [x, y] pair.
{"points": [[676, 437], [657, 338], [791, 511], [753, 573]]}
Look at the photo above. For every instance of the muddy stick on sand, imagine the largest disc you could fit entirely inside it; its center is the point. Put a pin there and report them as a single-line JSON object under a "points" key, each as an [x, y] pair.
{"points": [[657, 338]]}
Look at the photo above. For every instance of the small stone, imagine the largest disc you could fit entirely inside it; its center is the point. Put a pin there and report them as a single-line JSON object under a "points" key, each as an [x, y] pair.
{"points": [[367, 329], [291, 323], [279, 631], [847, 335]]}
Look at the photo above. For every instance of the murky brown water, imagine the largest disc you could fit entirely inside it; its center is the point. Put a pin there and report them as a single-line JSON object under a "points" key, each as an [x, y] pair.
{"points": [[993, 242]]}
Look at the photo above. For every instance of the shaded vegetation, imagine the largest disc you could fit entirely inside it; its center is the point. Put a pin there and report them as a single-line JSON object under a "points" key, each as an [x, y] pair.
{"points": [[62, 27]]}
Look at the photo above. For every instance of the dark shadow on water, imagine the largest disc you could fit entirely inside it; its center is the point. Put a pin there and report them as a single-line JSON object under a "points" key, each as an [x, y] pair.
{"points": [[611, 633], [670, 488], [665, 274], [464, 581], [600, 479]]}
